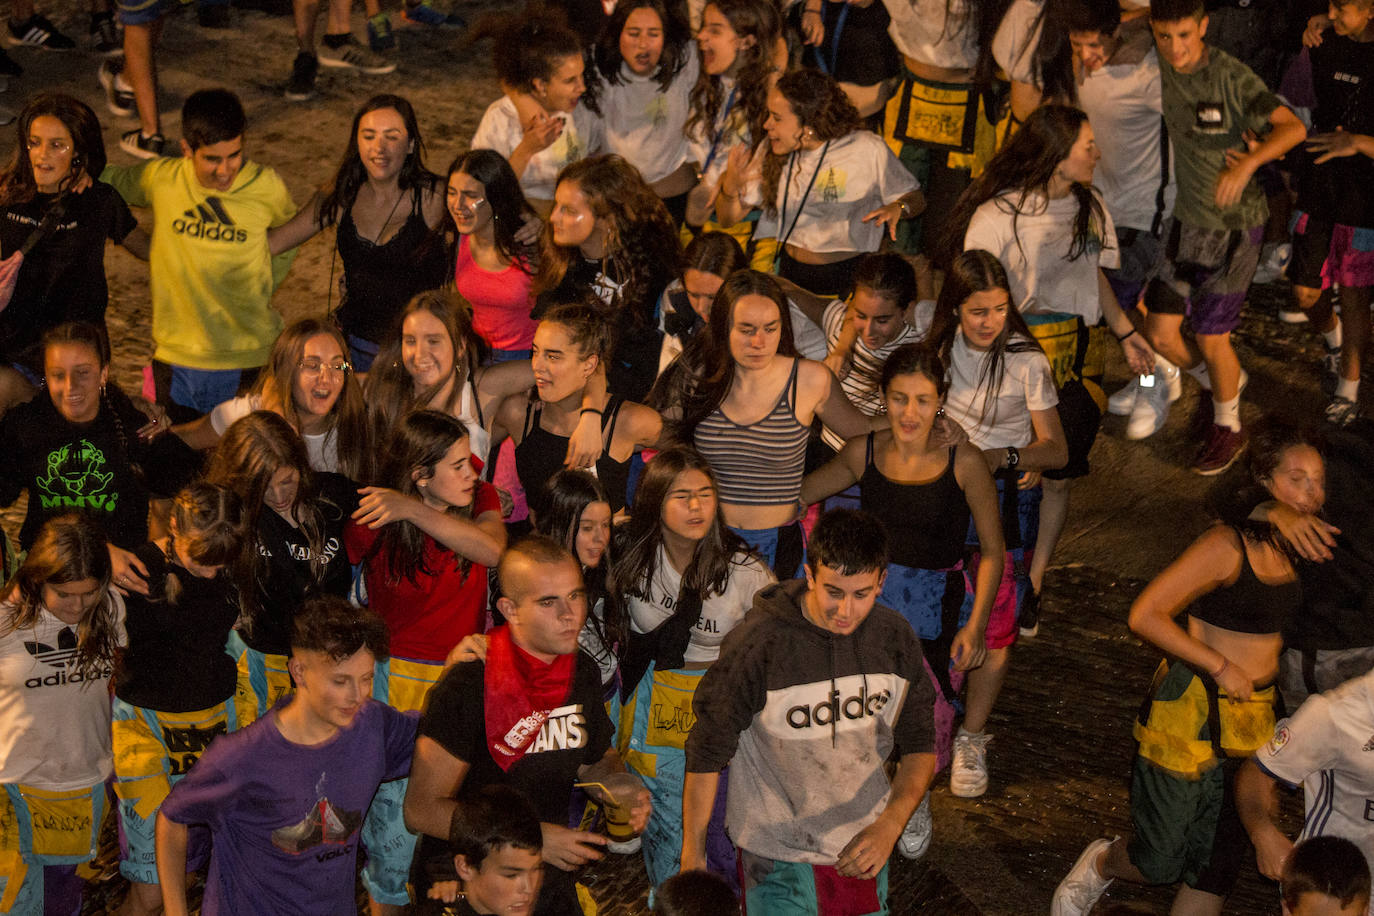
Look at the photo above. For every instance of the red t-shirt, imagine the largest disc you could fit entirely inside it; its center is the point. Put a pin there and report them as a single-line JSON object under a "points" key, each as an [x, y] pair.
{"points": [[431, 615]]}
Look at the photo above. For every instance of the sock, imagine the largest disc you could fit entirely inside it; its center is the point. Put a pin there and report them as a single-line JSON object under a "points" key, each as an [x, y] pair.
{"points": [[1333, 336], [1227, 413], [337, 41], [1348, 389], [964, 732], [1199, 372], [1167, 369]]}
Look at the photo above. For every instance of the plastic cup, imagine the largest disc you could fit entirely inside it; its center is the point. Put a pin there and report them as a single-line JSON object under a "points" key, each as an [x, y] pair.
{"points": [[621, 791]]}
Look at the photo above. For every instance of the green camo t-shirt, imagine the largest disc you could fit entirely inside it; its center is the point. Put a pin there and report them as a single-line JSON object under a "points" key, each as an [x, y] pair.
{"points": [[1207, 112]]}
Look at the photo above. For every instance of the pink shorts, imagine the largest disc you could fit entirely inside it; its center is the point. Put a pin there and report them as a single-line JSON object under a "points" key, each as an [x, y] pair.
{"points": [[1001, 631]]}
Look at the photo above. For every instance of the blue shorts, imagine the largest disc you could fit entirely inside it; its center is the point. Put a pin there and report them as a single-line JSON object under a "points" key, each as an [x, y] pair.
{"points": [[784, 546]]}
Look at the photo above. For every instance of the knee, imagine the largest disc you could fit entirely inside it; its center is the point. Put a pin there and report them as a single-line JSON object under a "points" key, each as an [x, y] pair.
{"points": [[1305, 297]]}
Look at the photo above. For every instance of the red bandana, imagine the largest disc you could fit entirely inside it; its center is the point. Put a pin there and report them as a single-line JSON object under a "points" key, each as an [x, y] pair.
{"points": [[519, 692]]}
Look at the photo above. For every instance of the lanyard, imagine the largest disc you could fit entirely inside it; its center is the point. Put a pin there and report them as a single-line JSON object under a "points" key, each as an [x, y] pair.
{"points": [[786, 191], [827, 68], [720, 131]]}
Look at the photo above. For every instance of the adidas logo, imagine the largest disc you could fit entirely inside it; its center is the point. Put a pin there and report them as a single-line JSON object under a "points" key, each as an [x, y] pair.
{"points": [[209, 221], [59, 658]]}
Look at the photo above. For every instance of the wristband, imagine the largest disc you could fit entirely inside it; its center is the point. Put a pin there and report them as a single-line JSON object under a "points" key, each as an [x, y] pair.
{"points": [[814, 12], [1224, 663], [1123, 337], [592, 410]]}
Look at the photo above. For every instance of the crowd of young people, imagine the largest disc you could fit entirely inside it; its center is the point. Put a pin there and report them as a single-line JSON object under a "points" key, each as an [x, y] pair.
{"points": [[678, 469]]}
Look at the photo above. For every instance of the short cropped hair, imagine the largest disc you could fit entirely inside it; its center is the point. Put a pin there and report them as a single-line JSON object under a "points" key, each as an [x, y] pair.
{"points": [[695, 893], [212, 116], [1328, 865], [1100, 16], [331, 625], [1176, 10], [537, 548], [850, 541], [496, 817]]}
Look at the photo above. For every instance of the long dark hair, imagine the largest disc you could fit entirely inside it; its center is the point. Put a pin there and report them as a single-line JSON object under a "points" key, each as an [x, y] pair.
{"points": [[1052, 61], [757, 19], [342, 191], [509, 208], [819, 104], [972, 272], [88, 146], [209, 526], [1235, 497], [714, 253], [568, 494], [698, 381], [637, 563], [419, 443], [84, 334], [69, 548], [605, 54], [642, 247], [1023, 169]]}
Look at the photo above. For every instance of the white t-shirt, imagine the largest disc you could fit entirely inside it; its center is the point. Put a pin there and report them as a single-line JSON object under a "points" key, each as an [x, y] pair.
{"points": [[1327, 747], [1034, 247], [1124, 106], [1016, 40], [500, 130], [479, 440], [732, 126], [856, 175], [860, 384], [719, 613], [323, 448], [922, 30], [54, 726], [1027, 384], [644, 123]]}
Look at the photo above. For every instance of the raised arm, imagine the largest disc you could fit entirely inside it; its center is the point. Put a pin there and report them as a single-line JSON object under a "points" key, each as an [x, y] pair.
{"points": [[479, 539], [836, 475]]}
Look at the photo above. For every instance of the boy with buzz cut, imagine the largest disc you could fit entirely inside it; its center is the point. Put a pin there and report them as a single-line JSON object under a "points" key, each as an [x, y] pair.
{"points": [[212, 273], [497, 843], [1224, 124], [1325, 876], [1333, 237]]}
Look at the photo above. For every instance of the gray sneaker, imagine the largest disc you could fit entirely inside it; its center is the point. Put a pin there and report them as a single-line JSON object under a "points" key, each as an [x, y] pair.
{"points": [[354, 55], [1082, 886], [915, 838], [1342, 412]]}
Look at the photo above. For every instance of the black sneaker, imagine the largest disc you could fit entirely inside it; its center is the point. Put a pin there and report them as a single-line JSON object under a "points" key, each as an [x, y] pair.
{"points": [[119, 97], [8, 67], [213, 15], [1029, 620], [38, 32], [301, 86], [135, 144], [105, 35]]}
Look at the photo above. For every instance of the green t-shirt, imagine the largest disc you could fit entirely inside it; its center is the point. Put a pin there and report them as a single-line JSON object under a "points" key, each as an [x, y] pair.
{"points": [[1207, 112]]}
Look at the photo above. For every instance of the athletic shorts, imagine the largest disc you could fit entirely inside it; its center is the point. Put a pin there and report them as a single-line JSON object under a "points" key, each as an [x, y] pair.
{"points": [[1077, 355], [1329, 254], [773, 888], [1020, 510], [152, 752], [1139, 254], [262, 680], [143, 12], [783, 549], [1205, 275], [402, 684], [45, 831]]}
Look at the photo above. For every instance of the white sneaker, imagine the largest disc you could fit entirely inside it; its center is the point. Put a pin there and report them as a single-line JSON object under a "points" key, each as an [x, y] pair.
{"points": [[1274, 258], [1151, 409], [1292, 316], [915, 839], [1123, 402], [1173, 376], [1082, 886], [968, 773]]}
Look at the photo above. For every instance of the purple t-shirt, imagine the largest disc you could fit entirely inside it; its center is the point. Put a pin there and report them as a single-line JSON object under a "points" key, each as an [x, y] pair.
{"points": [[284, 817]]}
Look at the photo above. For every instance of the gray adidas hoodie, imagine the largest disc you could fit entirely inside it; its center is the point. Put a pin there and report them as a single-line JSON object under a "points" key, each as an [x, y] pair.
{"points": [[805, 719]]}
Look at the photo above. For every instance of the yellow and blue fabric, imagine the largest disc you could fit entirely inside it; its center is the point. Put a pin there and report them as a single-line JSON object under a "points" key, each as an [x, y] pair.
{"points": [[402, 684], [39, 829], [263, 680], [152, 752]]}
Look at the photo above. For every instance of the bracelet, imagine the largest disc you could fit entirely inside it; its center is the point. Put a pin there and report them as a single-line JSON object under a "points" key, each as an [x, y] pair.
{"points": [[1124, 337], [727, 195], [1224, 663], [592, 410], [814, 12]]}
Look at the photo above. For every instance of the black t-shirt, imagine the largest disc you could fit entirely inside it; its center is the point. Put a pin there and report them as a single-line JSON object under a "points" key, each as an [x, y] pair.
{"points": [[63, 277], [101, 468], [866, 55], [1343, 82], [175, 660], [576, 734], [286, 571]]}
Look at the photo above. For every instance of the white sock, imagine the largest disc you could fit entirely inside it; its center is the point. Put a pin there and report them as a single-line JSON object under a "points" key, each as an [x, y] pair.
{"points": [[1227, 413], [1333, 336], [1165, 368], [1199, 372], [1348, 389], [964, 732]]}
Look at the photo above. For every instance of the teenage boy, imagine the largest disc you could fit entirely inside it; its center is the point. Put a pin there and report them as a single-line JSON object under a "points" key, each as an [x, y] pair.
{"points": [[496, 842], [284, 798], [813, 693], [212, 274], [1333, 238], [1325, 876], [530, 717], [1118, 87], [1224, 124]]}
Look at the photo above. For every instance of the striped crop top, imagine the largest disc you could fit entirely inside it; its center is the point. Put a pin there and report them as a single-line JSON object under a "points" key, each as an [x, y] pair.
{"points": [[760, 464]]}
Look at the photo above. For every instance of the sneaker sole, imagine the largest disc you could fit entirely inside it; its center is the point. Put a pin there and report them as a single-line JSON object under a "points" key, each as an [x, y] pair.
{"points": [[1212, 472], [968, 792], [337, 64], [136, 151], [107, 83], [21, 43], [298, 96]]}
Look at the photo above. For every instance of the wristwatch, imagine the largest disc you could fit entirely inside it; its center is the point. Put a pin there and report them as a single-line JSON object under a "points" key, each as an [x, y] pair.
{"points": [[1013, 457]]}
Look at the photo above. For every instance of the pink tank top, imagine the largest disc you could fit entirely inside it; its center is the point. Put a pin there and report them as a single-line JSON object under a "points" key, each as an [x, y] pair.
{"points": [[500, 300]]}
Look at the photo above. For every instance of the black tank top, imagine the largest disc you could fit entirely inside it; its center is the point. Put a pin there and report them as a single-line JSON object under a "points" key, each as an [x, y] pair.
{"points": [[381, 279], [1249, 605], [926, 523], [540, 455]]}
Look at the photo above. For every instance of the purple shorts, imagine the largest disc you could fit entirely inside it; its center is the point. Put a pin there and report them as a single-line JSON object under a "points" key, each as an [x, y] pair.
{"points": [[1205, 275]]}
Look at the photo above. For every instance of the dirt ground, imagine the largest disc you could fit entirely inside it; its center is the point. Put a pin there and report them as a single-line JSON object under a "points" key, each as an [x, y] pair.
{"points": [[1052, 787]]}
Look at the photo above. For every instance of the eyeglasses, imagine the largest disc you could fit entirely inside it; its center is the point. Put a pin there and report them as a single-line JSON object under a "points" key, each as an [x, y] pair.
{"points": [[316, 367]]}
